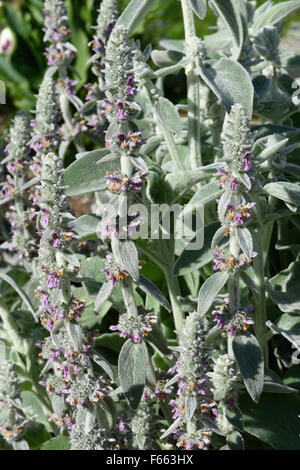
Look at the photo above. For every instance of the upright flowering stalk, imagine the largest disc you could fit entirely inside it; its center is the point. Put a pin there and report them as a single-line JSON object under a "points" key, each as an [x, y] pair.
{"points": [[236, 211], [107, 17], [194, 404], [60, 55], [123, 142], [12, 418], [20, 212], [45, 125], [75, 389]]}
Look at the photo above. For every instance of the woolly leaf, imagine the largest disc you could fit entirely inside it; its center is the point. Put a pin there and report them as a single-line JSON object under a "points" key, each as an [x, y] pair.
{"points": [[209, 290], [288, 326], [153, 291], [57, 443], [130, 259], [244, 240], [84, 175], [103, 295], [168, 115], [235, 441], [199, 7], [58, 405], [229, 12], [235, 417], [132, 367], [250, 360], [173, 426], [191, 260], [208, 193], [165, 58], [273, 419], [190, 407], [85, 227], [287, 192], [104, 364], [134, 13], [275, 14], [230, 82], [75, 334]]}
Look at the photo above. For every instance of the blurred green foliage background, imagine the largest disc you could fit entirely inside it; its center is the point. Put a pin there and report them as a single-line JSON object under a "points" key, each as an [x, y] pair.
{"points": [[23, 70]]}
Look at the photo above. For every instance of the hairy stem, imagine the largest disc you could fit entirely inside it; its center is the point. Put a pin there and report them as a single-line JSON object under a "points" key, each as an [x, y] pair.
{"points": [[174, 292], [193, 90]]}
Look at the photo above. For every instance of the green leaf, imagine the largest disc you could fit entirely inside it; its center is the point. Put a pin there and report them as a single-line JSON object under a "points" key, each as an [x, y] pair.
{"points": [[165, 58], [273, 420], [104, 364], [288, 326], [190, 407], [85, 176], [244, 240], [35, 434], [153, 291], [75, 334], [20, 291], [130, 259], [58, 405], [235, 417], [275, 14], [132, 367], [199, 7], [209, 192], [287, 192], [57, 443], [250, 360], [229, 12], [230, 82], [235, 441], [85, 227], [103, 295], [168, 115], [210, 289], [192, 260], [134, 13]]}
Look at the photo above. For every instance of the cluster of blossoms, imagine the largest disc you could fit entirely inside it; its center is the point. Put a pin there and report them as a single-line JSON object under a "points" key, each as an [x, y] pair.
{"points": [[12, 419], [224, 260], [21, 213], [135, 328], [45, 124], [119, 183], [127, 144], [231, 324], [72, 377], [194, 392], [238, 216], [61, 51], [237, 145], [107, 17], [225, 378]]}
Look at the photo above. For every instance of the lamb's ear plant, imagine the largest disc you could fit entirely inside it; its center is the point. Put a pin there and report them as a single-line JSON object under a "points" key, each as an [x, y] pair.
{"points": [[115, 332]]}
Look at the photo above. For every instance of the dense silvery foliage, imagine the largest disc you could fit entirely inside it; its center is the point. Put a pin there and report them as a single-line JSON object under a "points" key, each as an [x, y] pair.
{"points": [[116, 333]]}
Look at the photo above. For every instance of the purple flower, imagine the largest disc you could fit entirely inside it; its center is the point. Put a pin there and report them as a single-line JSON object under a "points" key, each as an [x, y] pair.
{"points": [[246, 163], [233, 183], [129, 87], [238, 218]]}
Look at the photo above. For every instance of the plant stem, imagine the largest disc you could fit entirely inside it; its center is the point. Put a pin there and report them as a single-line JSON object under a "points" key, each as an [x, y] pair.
{"points": [[260, 313], [193, 90], [174, 292]]}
